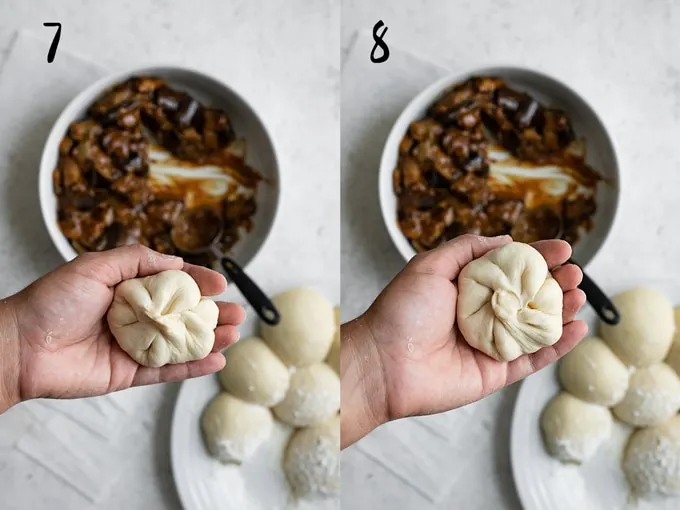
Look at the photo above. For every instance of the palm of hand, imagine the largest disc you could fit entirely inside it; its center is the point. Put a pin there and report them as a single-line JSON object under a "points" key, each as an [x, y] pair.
{"points": [[428, 366]]}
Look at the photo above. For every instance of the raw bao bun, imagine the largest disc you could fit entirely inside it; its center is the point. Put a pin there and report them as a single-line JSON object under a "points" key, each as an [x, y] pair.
{"points": [[574, 429], [234, 429], [313, 396], [508, 303], [312, 460], [305, 332], [645, 332], [254, 373], [163, 319], [592, 372], [673, 358], [653, 396], [651, 460]]}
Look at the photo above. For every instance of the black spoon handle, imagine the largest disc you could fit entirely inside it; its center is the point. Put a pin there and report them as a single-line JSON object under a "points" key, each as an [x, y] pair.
{"points": [[600, 302], [253, 294]]}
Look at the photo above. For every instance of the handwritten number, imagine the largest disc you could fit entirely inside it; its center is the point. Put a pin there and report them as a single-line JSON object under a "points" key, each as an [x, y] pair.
{"points": [[55, 42]]}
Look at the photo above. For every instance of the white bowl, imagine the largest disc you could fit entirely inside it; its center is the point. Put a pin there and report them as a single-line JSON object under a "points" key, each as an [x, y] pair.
{"points": [[261, 154], [601, 154]]}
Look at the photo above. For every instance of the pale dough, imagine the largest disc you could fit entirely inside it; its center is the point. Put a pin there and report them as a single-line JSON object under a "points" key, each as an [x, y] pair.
{"points": [[333, 358], [254, 373], [592, 372], [234, 429], [313, 396], [651, 460], [673, 358], [508, 303], [312, 460], [644, 335], [163, 319], [305, 332], [573, 429], [653, 396]]}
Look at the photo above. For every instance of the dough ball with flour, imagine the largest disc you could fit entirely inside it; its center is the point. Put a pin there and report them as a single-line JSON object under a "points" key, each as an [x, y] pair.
{"points": [[574, 429], [673, 358], [333, 358], [592, 372], [653, 396], [163, 319], [645, 332], [508, 303], [312, 460], [312, 398], [234, 429], [254, 373], [651, 460], [305, 332]]}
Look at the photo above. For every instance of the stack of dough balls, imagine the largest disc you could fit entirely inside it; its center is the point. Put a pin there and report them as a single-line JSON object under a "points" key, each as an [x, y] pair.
{"points": [[631, 370], [291, 373]]}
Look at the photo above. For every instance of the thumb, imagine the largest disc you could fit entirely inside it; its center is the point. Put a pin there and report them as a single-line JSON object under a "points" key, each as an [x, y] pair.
{"points": [[111, 267], [449, 258]]}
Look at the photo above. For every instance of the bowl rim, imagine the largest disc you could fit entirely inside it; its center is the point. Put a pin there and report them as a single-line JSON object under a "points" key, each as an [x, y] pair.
{"points": [[52, 141], [428, 94]]}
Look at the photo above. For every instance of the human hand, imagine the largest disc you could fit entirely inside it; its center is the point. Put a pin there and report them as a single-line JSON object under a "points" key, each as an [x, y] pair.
{"points": [[425, 364], [61, 342]]}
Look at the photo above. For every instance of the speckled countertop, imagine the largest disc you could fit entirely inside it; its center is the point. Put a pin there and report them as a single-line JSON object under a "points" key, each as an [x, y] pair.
{"points": [[284, 61], [626, 62]]}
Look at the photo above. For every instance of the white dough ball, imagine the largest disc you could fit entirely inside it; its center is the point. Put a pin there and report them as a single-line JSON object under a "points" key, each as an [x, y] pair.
{"points": [[651, 460], [254, 373], [234, 429], [592, 372], [333, 358], [312, 460], [573, 429], [305, 332], [336, 312], [508, 303], [162, 319], [673, 358], [312, 398], [653, 396], [645, 332]]}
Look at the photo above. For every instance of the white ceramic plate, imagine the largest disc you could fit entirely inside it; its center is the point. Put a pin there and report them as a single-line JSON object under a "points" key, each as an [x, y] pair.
{"points": [[601, 154], [203, 483], [544, 483], [261, 153]]}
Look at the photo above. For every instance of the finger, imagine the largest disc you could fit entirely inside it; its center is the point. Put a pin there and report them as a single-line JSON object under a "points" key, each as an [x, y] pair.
{"points": [[213, 362], [230, 313], [210, 282], [523, 366], [449, 258], [573, 301], [555, 251], [225, 336], [114, 266], [569, 277]]}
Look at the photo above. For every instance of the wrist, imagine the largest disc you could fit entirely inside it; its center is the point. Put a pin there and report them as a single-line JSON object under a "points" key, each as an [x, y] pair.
{"points": [[364, 393], [10, 360]]}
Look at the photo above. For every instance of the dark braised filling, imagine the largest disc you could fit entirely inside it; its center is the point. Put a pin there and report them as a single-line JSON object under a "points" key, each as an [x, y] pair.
{"points": [[446, 182], [108, 197]]}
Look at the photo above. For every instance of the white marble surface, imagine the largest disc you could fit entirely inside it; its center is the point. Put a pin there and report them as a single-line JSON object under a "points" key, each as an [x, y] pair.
{"points": [[283, 59], [624, 61]]}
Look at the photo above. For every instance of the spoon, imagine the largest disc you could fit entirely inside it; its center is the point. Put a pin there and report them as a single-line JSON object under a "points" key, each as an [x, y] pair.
{"points": [[183, 236], [600, 302]]}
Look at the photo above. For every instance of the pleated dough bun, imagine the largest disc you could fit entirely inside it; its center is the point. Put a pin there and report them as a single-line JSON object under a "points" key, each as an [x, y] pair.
{"points": [[573, 429], [333, 358], [644, 335], [592, 372], [653, 396], [651, 460], [254, 373], [312, 460], [234, 429], [305, 332], [508, 303], [313, 396]]}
